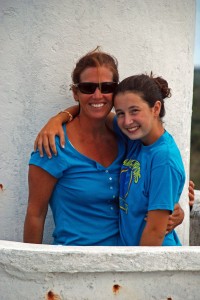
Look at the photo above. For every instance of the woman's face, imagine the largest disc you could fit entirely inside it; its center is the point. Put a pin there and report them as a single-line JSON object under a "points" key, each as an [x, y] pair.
{"points": [[96, 105], [135, 118]]}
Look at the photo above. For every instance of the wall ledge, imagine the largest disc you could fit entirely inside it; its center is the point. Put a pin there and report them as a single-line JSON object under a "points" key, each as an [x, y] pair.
{"points": [[71, 259]]}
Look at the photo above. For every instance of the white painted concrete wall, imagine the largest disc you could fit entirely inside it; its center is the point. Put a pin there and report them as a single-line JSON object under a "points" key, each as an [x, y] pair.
{"points": [[39, 42], [34, 272]]}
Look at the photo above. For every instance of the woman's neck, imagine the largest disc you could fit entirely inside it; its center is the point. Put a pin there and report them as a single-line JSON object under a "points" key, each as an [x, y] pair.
{"points": [[92, 127], [93, 139]]}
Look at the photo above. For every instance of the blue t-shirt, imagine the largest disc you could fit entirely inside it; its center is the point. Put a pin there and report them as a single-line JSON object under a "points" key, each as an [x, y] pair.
{"points": [[152, 178], [84, 203]]}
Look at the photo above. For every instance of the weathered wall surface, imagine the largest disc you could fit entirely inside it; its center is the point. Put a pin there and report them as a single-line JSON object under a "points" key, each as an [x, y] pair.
{"points": [[30, 272], [195, 221], [39, 43]]}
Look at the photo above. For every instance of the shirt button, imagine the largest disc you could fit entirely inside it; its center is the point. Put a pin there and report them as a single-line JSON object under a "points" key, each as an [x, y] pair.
{"points": [[113, 196], [106, 171], [110, 178], [111, 207], [111, 188]]}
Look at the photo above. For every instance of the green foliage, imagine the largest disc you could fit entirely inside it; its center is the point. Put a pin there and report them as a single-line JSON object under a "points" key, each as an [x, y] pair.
{"points": [[195, 132]]}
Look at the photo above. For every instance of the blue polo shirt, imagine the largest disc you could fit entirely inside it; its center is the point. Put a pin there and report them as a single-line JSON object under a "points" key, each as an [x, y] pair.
{"points": [[84, 202]]}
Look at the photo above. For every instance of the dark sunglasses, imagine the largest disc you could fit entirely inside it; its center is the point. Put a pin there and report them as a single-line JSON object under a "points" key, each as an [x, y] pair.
{"points": [[90, 87]]}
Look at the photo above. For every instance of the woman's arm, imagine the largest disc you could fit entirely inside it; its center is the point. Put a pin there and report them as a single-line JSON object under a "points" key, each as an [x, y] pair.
{"points": [[155, 229], [177, 217], [41, 185], [191, 193], [46, 137]]}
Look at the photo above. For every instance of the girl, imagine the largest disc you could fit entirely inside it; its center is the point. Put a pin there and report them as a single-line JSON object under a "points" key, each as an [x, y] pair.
{"points": [[152, 175]]}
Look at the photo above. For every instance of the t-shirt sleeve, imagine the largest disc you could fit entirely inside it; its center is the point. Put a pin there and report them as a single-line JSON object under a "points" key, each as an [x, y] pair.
{"points": [[165, 188], [55, 165]]}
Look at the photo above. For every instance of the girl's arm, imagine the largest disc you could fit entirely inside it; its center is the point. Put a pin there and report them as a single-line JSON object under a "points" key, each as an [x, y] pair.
{"points": [[41, 185], [46, 137], [155, 229]]}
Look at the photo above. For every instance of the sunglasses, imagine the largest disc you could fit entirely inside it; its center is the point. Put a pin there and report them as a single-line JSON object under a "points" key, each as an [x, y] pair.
{"points": [[90, 87]]}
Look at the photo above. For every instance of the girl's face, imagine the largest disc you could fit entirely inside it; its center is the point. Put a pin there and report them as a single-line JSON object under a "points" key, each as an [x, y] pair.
{"points": [[96, 105], [136, 119]]}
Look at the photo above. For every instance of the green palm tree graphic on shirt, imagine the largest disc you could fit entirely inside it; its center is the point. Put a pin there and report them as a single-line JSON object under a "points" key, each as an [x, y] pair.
{"points": [[135, 175]]}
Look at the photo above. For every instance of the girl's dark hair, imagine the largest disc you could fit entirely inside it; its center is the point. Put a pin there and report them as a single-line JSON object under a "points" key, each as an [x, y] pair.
{"points": [[149, 87], [95, 58]]}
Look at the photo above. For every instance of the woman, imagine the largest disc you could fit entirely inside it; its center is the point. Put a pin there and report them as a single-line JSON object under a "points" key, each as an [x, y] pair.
{"points": [[81, 181]]}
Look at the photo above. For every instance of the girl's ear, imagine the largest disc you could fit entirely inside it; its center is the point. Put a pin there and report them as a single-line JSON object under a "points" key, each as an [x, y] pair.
{"points": [[157, 108]]}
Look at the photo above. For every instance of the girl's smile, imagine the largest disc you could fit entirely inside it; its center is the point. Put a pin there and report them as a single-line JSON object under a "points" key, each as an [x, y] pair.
{"points": [[136, 119]]}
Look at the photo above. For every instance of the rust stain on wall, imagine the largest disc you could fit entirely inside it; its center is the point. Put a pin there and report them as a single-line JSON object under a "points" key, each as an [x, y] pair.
{"points": [[1, 186], [116, 288], [51, 296]]}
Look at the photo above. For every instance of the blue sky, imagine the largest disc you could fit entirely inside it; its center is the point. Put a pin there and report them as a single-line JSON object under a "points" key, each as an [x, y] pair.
{"points": [[197, 36]]}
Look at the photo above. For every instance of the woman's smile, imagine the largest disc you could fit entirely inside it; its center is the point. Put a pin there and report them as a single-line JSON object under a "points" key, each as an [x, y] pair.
{"points": [[97, 105]]}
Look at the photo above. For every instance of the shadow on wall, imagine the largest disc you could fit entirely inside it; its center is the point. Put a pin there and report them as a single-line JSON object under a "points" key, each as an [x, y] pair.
{"points": [[48, 228]]}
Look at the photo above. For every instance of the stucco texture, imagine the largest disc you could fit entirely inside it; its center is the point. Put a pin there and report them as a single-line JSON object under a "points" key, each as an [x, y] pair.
{"points": [[39, 43]]}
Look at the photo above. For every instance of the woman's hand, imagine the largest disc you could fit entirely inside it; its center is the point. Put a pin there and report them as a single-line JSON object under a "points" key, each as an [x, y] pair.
{"points": [[191, 193], [176, 218], [46, 137]]}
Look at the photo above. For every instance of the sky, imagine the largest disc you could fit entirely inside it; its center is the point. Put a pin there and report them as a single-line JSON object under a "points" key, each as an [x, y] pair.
{"points": [[197, 36]]}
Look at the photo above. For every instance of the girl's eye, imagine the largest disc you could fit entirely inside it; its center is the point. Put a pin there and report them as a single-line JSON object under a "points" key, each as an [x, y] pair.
{"points": [[134, 111], [119, 114]]}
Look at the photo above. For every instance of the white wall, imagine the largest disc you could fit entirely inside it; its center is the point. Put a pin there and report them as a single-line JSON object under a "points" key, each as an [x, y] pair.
{"points": [[39, 42], [36, 272]]}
